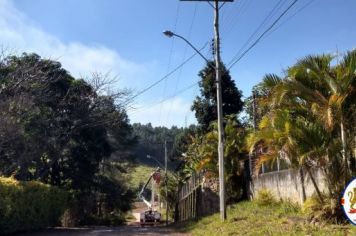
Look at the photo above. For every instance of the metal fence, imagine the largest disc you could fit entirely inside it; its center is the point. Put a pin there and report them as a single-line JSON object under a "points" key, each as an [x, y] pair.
{"points": [[188, 198]]}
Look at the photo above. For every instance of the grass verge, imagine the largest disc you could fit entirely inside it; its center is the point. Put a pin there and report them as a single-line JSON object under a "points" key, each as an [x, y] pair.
{"points": [[249, 218]]}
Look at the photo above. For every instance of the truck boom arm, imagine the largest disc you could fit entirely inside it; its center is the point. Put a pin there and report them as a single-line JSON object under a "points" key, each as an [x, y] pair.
{"points": [[140, 194]]}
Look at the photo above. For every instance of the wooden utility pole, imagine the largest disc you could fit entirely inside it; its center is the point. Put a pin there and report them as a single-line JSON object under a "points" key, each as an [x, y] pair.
{"points": [[219, 104]]}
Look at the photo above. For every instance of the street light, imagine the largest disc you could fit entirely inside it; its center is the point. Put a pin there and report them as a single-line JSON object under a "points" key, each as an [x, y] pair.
{"points": [[219, 108], [159, 163], [170, 34]]}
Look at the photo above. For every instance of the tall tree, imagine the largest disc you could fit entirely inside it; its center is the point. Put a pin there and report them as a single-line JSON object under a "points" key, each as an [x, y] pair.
{"points": [[205, 105], [60, 131], [201, 156]]}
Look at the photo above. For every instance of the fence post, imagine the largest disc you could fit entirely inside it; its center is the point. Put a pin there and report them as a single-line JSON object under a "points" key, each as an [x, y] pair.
{"points": [[278, 164]]}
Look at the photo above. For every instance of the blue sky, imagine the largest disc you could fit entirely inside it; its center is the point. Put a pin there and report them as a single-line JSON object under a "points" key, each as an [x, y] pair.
{"points": [[125, 38]]}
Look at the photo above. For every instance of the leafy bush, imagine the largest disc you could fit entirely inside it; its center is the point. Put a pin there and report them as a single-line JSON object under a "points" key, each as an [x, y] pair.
{"points": [[26, 206], [265, 198], [328, 210]]}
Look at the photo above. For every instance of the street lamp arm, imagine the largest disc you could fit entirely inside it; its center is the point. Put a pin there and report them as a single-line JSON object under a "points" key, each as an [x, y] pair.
{"points": [[153, 158], [171, 34]]}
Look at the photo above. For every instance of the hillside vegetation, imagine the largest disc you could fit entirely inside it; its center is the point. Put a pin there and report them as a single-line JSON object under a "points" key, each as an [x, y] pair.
{"points": [[140, 175]]}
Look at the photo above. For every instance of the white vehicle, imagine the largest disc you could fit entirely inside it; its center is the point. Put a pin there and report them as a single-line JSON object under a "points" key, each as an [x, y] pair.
{"points": [[150, 216]]}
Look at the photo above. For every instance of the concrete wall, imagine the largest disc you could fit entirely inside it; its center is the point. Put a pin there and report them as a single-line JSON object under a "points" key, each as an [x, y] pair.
{"points": [[209, 197], [288, 184]]}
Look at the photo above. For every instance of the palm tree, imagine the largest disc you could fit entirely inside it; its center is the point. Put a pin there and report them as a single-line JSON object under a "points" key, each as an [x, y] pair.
{"points": [[299, 141], [305, 109], [328, 90], [202, 156]]}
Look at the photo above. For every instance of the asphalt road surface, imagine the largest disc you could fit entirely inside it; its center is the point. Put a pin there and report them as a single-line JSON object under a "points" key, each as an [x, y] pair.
{"points": [[132, 228], [107, 231]]}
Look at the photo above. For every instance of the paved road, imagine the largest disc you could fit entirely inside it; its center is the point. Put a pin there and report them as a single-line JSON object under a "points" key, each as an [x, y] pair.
{"points": [[132, 228], [128, 230]]}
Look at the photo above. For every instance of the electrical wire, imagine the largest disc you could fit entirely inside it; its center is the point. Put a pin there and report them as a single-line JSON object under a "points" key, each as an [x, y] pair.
{"points": [[166, 99], [163, 78], [230, 15], [125, 103], [183, 63], [170, 56], [290, 17], [242, 9], [265, 20], [183, 58], [232, 63]]}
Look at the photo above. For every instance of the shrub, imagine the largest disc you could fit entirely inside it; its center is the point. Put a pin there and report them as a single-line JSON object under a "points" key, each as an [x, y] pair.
{"points": [[265, 198], [26, 206], [329, 210]]}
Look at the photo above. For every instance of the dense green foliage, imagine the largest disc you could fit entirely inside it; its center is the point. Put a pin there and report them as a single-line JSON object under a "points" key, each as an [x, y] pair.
{"points": [[30, 205], [62, 131], [196, 147], [202, 156], [253, 109], [310, 120], [150, 141], [205, 105]]}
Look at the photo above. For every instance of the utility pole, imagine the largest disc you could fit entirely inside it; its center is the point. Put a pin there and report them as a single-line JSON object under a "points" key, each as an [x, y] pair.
{"points": [[153, 195], [220, 114], [165, 178], [219, 105]]}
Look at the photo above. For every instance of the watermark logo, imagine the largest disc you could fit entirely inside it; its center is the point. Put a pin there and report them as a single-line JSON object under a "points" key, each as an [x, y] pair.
{"points": [[348, 201]]}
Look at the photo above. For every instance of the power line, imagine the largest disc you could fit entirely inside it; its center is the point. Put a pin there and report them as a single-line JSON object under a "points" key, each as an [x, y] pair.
{"points": [[230, 15], [264, 21], [163, 78], [108, 121], [170, 97], [232, 63], [241, 10], [184, 54], [290, 17], [170, 55], [227, 15], [184, 62]]}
